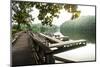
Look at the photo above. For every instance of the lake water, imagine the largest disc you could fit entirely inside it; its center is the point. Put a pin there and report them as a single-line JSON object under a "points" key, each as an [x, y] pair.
{"points": [[85, 53]]}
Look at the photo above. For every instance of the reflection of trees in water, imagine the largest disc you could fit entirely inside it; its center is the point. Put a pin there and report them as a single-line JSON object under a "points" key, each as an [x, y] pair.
{"points": [[83, 28]]}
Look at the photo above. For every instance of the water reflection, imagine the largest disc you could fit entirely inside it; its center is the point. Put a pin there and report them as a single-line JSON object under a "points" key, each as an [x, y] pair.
{"points": [[86, 53]]}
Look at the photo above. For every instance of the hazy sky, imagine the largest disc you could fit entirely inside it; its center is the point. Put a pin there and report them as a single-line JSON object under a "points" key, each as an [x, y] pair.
{"points": [[64, 15]]}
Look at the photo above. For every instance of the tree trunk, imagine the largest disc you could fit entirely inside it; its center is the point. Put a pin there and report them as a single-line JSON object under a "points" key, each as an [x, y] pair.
{"points": [[18, 27]]}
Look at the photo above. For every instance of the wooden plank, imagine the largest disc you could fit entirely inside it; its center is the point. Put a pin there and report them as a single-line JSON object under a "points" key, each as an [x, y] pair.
{"points": [[51, 38], [66, 42]]}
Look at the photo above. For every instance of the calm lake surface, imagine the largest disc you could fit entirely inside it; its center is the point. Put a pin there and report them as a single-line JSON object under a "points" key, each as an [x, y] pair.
{"points": [[85, 53], [82, 28]]}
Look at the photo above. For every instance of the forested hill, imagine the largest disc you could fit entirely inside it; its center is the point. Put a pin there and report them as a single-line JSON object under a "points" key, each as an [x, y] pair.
{"points": [[81, 28]]}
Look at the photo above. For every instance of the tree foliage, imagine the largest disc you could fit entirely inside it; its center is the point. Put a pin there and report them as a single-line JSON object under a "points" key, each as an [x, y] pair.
{"points": [[21, 12], [47, 11]]}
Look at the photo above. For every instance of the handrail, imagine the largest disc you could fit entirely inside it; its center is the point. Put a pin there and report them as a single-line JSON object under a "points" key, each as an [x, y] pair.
{"points": [[66, 43]]}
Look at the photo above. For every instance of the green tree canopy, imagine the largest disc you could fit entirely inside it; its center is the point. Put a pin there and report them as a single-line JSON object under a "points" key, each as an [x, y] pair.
{"points": [[21, 12], [47, 11]]}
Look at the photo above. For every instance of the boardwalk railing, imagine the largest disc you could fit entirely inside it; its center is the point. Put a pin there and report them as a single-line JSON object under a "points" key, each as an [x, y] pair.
{"points": [[62, 46], [69, 43], [66, 46], [51, 39]]}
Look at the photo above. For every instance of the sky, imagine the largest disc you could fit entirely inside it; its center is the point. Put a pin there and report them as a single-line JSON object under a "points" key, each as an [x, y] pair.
{"points": [[64, 15]]}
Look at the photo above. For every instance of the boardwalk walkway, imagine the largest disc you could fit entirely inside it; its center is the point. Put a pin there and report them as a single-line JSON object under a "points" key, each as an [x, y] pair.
{"points": [[29, 50], [21, 51]]}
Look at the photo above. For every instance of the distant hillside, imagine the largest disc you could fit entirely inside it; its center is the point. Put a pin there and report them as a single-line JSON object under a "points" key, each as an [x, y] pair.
{"points": [[81, 28]]}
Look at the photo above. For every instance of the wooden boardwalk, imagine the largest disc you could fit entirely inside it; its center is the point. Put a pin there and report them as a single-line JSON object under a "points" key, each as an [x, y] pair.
{"points": [[21, 51], [30, 48]]}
